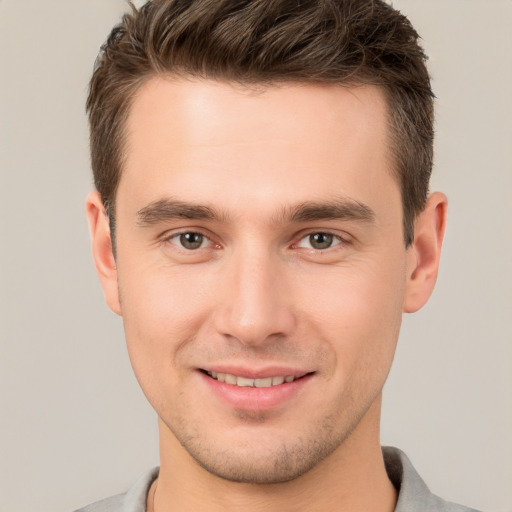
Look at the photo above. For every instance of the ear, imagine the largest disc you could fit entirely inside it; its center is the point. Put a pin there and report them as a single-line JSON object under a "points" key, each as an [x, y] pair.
{"points": [[102, 250], [424, 253]]}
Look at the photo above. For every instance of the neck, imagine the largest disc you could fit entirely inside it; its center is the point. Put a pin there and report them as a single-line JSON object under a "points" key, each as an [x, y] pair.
{"points": [[353, 478]]}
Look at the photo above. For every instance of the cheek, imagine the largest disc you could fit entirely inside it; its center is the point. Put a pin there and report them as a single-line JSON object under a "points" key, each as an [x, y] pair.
{"points": [[163, 310], [164, 297], [358, 311]]}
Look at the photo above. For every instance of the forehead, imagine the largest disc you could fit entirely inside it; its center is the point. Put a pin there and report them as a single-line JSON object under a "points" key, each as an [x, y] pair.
{"points": [[309, 110], [207, 140]]}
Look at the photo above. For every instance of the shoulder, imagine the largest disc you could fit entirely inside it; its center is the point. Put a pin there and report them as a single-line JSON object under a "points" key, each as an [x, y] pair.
{"points": [[413, 493], [447, 506], [132, 501], [112, 504]]}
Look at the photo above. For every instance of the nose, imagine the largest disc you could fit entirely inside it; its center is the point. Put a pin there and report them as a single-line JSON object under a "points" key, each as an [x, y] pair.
{"points": [[254, 304]]}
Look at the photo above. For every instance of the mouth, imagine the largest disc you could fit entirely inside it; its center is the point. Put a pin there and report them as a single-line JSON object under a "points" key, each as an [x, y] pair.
{"points": [[246, 382], [254, 390]]}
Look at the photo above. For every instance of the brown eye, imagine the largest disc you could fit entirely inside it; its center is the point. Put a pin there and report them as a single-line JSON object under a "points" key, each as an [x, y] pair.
{"points": [[321, 240], [191, 241]]}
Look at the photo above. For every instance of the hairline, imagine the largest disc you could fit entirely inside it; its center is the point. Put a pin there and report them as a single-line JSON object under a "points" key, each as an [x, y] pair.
{"points": [[257, 85]]}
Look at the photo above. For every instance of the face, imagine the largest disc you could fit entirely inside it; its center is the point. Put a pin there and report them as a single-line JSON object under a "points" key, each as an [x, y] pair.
{"points": [[261, 268]]}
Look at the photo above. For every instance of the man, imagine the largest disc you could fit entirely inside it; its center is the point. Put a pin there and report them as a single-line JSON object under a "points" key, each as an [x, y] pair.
{"points": [[261, 222]]}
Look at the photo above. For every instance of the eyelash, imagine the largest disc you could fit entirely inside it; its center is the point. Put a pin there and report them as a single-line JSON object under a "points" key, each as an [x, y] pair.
{"points": [[336, 240], [176, 236]]}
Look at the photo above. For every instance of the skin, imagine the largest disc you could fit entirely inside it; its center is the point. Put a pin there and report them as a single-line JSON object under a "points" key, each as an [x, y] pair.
{"points": [[257, 170]]}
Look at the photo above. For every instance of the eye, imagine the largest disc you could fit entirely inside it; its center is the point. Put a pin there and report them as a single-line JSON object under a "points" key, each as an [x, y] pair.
{"points": [[319, 241], [190, 240]]}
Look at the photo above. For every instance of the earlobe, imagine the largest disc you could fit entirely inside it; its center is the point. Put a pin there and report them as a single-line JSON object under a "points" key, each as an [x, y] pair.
{"points": [[102, 250], [424, 253]]}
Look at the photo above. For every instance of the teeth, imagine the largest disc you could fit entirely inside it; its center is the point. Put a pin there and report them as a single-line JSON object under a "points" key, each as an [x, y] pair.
{"points": [[245, 382], [263, 383], [229, 379]]}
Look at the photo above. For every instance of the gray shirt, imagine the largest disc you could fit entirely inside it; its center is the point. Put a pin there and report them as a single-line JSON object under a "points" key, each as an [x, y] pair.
{"points": [[413, 494]]}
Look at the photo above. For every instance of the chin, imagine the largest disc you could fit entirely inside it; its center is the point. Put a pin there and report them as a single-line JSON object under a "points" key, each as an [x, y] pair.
{"points": [[277, 468], [258, 462]]}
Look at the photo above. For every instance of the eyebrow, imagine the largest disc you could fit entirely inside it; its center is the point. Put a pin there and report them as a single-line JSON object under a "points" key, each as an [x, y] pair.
{"points": [[339, 209], [170, 209]]}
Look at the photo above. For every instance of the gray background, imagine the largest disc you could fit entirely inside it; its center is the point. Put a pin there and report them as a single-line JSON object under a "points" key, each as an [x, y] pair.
{"points": [[74, 426]]}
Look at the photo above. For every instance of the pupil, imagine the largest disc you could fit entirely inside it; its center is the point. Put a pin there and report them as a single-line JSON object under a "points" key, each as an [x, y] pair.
{"points": [[321, 240], [191, 240]]}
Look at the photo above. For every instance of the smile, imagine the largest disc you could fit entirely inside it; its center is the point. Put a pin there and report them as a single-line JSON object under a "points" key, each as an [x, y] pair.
{"points": [[245, 382]]}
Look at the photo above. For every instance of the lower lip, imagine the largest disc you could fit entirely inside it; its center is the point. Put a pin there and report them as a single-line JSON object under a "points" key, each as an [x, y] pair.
{"points": [[256, 399]]}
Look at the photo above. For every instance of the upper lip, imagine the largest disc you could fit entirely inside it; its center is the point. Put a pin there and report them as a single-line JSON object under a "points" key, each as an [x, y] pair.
{"points": [[257, 373]]}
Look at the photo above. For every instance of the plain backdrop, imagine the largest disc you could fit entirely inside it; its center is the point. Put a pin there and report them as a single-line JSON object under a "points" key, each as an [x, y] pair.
{"points": [[74, 426]]}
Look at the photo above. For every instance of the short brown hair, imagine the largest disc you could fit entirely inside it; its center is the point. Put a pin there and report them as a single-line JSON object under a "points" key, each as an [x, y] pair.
{"points": [[349, 42]]}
